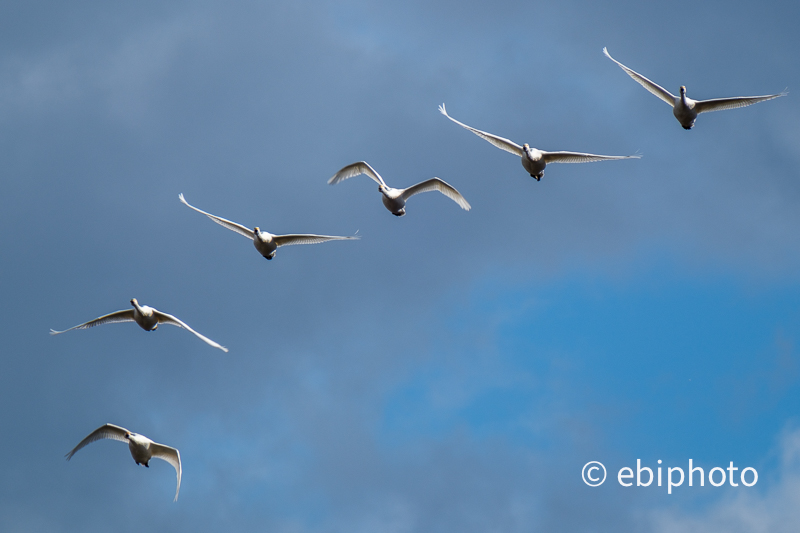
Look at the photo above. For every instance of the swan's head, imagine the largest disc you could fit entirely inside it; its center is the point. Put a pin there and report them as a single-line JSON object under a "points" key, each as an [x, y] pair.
{"points": [[683, 90], [137, 439], [400, 212], [134, 302], [256, 230]]}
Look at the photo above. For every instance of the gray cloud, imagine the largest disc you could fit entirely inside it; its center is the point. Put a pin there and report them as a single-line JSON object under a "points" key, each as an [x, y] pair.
{"points": [[110, 112]]}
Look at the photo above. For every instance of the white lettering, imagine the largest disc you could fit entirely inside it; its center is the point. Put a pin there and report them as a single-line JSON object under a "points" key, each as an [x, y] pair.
{"points": [[711, 476], [639, 471], [629, 475], [670, 484]]}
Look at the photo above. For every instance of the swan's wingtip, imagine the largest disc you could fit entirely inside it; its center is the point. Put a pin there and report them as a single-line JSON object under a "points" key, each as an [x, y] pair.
{"points": [[54, 332], [442, 109]]}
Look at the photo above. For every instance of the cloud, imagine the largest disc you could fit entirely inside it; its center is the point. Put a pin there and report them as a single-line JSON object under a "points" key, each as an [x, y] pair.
{"points": [[771, 506], [364, 388]]}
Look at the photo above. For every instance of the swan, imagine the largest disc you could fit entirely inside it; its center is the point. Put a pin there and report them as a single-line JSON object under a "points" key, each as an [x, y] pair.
{"points": [[395, 199], [266, 243], [684, 108], [535, 160], [142, 449], [147, 317]]}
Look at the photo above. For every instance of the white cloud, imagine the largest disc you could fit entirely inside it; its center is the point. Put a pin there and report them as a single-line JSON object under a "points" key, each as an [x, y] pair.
{"points": [[774, 510]]}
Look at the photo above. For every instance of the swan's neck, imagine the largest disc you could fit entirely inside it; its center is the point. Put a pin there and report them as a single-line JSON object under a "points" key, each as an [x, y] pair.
{"points": [[263, 236], [531, 155], [143, 311]]}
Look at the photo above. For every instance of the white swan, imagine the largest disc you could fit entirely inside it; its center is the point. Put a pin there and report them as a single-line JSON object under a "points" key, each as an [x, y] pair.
{"points": [[684, 108], [535, 160], [266, 243], [147, 317], [395, 199], [142, 449]]}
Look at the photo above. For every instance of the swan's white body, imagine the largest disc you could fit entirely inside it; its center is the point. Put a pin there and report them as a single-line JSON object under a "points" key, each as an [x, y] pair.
{"points": [[266, 243], [147, 317], [395, 199], [684, 108], [533, 160], [142, 449]]}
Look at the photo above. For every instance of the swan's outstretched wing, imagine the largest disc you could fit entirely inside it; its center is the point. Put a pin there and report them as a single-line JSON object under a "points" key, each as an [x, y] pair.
{"points": [[170, 455], [578, 157], [289, 240], [108, 431], [233, 226], [362, 167], [435, 184], [164, 318], [500, 142], [126, 315], [644, 82], [718, 104]]}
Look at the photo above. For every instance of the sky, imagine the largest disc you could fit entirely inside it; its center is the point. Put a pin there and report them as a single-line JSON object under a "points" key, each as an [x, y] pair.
{"points": [[450, 371]]}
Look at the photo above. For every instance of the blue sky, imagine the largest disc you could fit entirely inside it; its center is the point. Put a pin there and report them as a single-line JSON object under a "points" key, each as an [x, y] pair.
{"points": [[450, 371]]}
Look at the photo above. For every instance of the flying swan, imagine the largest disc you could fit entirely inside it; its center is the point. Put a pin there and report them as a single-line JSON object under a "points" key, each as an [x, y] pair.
{"points": [[395, 199], [266, 243], [535, 160], [684, 108], [142, 449], [147, 317]]}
